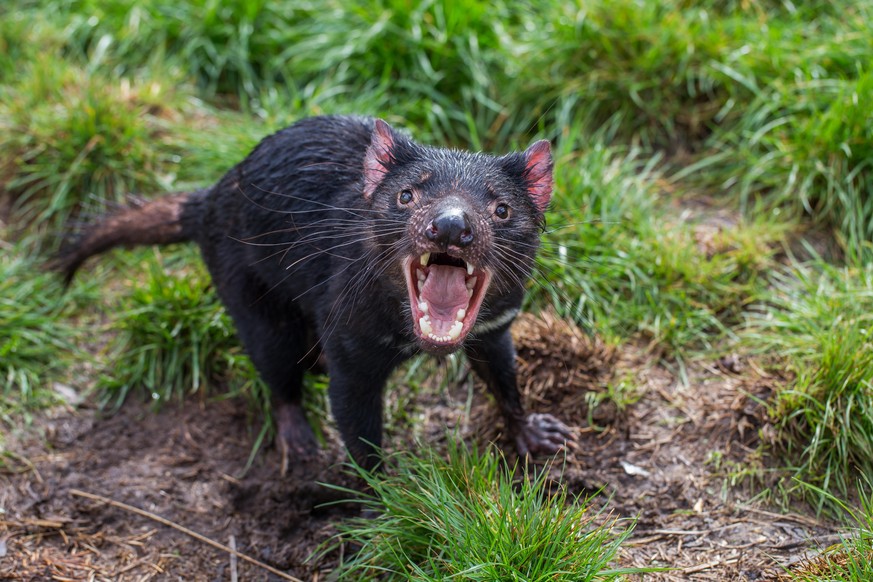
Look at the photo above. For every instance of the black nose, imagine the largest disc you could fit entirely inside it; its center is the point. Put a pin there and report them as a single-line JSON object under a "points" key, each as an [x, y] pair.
{"points": [[450, 228]]}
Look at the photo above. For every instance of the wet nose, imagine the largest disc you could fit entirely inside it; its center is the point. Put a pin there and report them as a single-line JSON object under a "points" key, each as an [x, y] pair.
{"points": [[450, 227]]}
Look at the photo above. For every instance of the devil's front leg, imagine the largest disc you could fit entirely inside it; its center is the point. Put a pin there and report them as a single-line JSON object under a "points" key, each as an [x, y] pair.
{"points": [[355, 393], [493, 359]]}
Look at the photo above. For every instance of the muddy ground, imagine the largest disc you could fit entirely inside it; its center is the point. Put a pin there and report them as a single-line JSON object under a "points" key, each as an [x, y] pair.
{"points": [[663, 459]]}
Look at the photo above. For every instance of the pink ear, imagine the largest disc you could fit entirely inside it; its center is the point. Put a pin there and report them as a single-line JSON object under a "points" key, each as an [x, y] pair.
{"points": [[538, 173], [378, 157]]}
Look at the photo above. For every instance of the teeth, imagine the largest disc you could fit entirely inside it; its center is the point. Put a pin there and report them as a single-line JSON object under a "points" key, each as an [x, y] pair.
{"points": [[427, 329], [424, 322]]}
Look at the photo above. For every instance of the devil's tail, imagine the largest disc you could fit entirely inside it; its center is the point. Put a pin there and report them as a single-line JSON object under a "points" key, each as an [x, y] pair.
{"points": [[163, 220]]}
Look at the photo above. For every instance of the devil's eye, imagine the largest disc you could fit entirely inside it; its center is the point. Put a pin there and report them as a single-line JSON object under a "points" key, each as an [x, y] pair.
{"points": [[405, 197], [502, 211]]}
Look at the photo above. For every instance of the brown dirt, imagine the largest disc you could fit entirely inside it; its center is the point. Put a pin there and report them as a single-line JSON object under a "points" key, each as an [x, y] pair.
{"points": [[662, 459]]}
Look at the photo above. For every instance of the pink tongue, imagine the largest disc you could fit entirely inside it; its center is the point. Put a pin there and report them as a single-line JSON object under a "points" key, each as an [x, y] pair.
{"points": [[445, 293]]}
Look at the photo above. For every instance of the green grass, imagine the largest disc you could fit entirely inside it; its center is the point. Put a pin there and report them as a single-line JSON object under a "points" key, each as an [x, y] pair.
{"points": [[208, 147], [770, 97], [466, 516], [174, 337], [436, 58], [644, 63], [70, 138], [624, 265], [675, 72], [37, 342], [805, 147], [852, 559], [817, 323]]}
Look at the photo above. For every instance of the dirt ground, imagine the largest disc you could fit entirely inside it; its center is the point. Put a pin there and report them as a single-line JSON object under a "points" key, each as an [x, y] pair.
{"points": [[661, 459]]}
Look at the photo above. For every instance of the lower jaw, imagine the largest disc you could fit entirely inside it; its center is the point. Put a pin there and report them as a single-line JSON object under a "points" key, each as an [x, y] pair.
{"points": [[449, 342], [439, 349]]}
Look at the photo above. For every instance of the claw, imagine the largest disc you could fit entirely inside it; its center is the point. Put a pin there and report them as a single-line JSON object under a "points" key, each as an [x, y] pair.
{"points": [[542, 434], [294, 436]]}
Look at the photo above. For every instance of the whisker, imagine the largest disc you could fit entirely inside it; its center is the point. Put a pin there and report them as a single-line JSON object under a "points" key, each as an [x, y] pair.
{"points": [[357, 287], [330, 250], [326, 223], [318, 237], [359, 212], [326, 238]]}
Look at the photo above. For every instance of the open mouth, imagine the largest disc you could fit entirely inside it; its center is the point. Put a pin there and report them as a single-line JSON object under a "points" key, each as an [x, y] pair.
{"points": [[445, 294]]}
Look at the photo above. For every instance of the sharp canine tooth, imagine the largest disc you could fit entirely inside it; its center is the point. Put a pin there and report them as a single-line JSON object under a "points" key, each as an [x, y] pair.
{"points": [[424, 324], [455, 330], [460, 315], [423, 306], [424, 259], [469, 268]]}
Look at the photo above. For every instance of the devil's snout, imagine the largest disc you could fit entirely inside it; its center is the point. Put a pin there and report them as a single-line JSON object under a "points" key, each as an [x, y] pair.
{"points": [[450, 227]]}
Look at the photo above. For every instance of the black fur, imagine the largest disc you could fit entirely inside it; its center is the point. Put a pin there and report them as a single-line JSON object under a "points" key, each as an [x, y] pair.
{"points": [[304, 241]]}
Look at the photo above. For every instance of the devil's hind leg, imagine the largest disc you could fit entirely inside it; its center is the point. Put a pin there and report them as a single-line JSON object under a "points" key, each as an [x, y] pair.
{"points": [[274, 335]]}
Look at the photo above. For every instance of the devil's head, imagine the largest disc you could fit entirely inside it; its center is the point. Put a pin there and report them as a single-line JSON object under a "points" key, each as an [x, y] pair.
{"points": [[466, 226]]}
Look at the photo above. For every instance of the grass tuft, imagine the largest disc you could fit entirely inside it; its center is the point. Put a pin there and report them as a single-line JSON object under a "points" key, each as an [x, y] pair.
{"points": [[852, 559], [70, 139], [818, 323], [36, 342], [175, 339], [466, 516]]}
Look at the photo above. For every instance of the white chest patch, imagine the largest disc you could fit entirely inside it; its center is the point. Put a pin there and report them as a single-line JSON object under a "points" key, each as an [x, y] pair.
{"points": [[495, 322]]}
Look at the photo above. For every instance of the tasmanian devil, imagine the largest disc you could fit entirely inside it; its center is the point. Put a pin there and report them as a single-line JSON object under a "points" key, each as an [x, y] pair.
{"points": [[340, 237]]}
